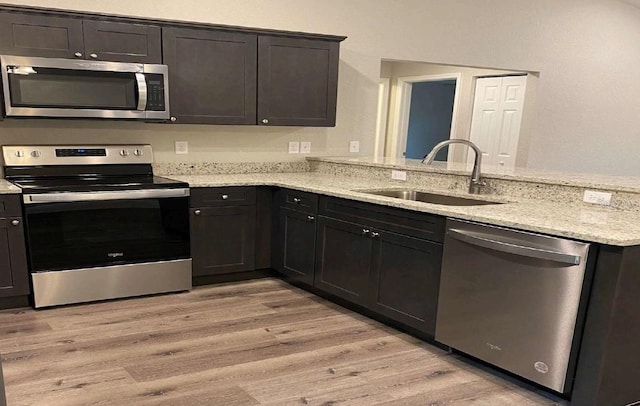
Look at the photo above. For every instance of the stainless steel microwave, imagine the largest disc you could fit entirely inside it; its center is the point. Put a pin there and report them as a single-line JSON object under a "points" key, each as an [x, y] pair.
{"points": [[49, 87]]}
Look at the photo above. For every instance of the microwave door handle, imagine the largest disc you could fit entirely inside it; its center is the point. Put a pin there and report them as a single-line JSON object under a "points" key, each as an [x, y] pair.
{"points": [[142, 91]]}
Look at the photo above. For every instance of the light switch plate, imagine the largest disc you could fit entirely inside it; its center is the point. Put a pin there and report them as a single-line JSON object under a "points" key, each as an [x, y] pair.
{"points": [[294, 147], [305, 147], [182, 147], [354, 146]]}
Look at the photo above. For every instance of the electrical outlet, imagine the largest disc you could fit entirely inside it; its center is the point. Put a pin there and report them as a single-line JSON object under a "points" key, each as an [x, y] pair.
{"points": [[354, 146], [305, 147], [398, 175], [593, 217], [294, 147], [182, 147], [591, 196]]}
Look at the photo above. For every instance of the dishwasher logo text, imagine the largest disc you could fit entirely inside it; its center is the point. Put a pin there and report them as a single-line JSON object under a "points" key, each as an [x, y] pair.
{"points": [[494, 347], [115, 254], [541, 367]]}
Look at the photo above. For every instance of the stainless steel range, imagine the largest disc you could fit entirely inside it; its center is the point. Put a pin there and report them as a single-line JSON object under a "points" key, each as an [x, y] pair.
{"points": [[99, 224]]}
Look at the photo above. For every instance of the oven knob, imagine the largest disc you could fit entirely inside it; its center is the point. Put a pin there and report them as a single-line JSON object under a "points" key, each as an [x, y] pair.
{"points": [[19, 154], [124, 152], [35, 154], [138, 152]]}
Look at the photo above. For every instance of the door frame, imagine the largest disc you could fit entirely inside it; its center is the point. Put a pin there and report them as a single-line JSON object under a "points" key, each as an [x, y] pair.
{"points": [[384, 85], [403, 105]]}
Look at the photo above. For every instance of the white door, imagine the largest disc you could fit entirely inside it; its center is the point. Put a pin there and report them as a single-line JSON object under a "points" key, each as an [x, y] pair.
{"points": [[497, 114]]}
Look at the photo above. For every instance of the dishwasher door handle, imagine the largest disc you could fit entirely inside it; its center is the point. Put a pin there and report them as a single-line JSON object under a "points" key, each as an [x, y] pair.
{"points": [[490, 241]]}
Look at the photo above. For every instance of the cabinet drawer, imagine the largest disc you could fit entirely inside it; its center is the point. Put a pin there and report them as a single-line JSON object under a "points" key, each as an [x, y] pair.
{"points": [[223, 196], [300, 201], [10, 206], [420, 225]]}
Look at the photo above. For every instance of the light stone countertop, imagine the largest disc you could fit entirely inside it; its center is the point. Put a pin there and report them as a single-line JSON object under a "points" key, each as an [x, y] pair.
{"points": [[586, 180], [605, 225], [8, 187]]}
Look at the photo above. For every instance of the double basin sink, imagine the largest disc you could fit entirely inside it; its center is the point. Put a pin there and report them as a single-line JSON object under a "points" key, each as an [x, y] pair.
{"points": [[432, 198]]}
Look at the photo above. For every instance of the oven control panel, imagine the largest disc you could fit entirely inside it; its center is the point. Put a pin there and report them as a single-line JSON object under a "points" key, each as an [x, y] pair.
{"points": [[34, 155]]}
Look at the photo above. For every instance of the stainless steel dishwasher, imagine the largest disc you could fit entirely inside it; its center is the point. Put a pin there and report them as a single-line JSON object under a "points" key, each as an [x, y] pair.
{"points": [[513, 299]]}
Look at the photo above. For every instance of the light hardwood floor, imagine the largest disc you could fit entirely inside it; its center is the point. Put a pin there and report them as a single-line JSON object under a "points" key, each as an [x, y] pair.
{"points": [[261, 342]]}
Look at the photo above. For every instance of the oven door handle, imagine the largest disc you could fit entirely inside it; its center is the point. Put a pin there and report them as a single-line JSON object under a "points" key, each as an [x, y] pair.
{"points": [[111, 195]]}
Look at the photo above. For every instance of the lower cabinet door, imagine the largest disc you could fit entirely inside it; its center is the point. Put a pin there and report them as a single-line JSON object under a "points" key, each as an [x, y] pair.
{"points": [[296, 245], [343, 259], [405, 278], [223, 239], [14, 276]]}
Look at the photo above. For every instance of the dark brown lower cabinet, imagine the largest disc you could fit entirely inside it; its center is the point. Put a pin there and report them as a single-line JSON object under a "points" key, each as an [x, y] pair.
{"points": [[343, 259], [14, 275], [296, 245], [223, 239], [390, 273], [405, 277]]}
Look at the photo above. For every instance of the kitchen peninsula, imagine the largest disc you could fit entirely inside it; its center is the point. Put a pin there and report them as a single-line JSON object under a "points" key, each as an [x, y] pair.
{"points": [[536, 201]]}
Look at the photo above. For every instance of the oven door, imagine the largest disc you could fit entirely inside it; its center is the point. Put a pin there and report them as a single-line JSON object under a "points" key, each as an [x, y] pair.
{"points": [[78, 230]]}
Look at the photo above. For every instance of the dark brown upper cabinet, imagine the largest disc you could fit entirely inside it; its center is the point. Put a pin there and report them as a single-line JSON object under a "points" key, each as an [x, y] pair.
{"points": [[212, 75], [221, 77], [297, 81], [72, 37]]}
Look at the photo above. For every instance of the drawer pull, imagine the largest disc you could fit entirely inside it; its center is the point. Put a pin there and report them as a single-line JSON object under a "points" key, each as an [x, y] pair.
{"points": [[15, 222], [197, 212], [375, 235], [310, 218], [297, 200], [365, 231], [225, 197]]}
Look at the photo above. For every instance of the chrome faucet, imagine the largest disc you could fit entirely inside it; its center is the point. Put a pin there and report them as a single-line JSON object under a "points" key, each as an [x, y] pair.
{"points": [[475, 184]]}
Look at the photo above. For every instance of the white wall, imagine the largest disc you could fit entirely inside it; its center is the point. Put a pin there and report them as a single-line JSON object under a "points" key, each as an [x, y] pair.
{"points": [[586, 51]]}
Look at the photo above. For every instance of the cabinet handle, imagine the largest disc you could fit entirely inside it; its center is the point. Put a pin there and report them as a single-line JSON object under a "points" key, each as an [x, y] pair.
{"points": [[365, 231], [78, 54], [94, 56], [173, 119], [225, 197], [15, 222], [375, 235], [297, 200], [197, 212], [265, 121], [310, 218]]}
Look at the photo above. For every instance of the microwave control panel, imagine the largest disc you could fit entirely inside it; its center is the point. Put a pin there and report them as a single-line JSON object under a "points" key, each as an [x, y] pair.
{"points": [[155, 92]]}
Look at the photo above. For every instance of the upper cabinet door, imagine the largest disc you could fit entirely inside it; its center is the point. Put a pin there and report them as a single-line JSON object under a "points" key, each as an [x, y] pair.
{"points": [[122, 42], [37, 35], [297, 81], [212, 75]]}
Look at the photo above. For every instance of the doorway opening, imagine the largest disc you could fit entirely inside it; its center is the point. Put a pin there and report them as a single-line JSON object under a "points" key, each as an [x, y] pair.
{"points": [[425, 114], [399, 80]]}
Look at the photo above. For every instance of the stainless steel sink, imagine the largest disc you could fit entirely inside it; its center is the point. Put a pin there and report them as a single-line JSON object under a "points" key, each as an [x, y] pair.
{"points": [[432, 198]]}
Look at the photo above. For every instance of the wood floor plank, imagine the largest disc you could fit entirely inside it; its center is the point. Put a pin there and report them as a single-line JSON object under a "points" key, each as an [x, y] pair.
{"points": [[261, 342]]}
